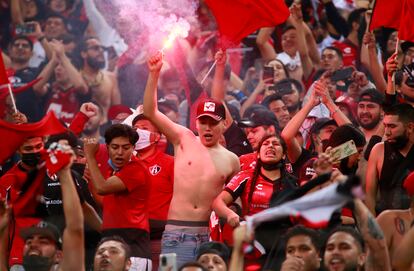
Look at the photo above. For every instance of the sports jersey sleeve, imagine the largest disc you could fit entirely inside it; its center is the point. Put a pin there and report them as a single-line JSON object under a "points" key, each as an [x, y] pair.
{"points": [[237, 184], [132, 175]]}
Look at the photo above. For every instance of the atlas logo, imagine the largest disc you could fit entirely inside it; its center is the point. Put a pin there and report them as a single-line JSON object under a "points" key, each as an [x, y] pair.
{"points": [[209, 107], [154, 170]]}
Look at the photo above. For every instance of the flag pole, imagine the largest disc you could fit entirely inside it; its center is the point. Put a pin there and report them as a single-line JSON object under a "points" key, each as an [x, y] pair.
{"points": [[208, 72], [12, 97], [397, 45]]}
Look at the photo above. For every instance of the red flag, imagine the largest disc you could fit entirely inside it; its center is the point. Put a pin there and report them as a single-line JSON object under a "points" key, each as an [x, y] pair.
{"points": [[386, 13], [13, 135], [406, 30], [238, 18], [4, 79]]}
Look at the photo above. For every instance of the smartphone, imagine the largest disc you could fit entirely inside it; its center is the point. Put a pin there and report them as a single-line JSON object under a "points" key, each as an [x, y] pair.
{"points": [[168, 262], [23, 29], [268, 74], [342, 74], [343, 151]]}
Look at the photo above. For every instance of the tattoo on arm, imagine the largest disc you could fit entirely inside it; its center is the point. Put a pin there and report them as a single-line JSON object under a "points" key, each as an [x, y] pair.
{"points": [[399, 225], [374, 229]]}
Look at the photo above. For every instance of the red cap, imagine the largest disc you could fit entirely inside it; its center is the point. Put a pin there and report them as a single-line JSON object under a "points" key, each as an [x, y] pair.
{"points": [[409, 184], [118, 109], [211, 108]]}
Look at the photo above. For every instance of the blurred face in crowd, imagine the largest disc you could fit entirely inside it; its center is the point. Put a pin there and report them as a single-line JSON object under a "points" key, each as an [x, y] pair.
{"points": [[292, 100], [396, 132], [120, 151], [409, 56], [110, 256], [212, 262], [38, 246], [324, 134], [209, 130], [54, 27], [61, 75], [279, 71], [330, 60], [20, 51], [29, 8], [343, 253], [32, 145], [289, 42], [368, 114], [57, 5], [92, 126], [94, 54], [256, 134], [301, 246], [281, 112], [271, 150], [392, 42]]}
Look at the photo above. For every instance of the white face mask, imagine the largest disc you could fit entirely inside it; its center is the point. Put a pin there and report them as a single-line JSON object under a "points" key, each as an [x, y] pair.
{"points": [[146, 138]]}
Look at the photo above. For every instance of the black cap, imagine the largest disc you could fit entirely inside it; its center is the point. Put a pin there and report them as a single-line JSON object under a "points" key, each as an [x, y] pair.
{"points": [[259, 118], [320, 123], [43, 228], [217, 248], [371, 95]]}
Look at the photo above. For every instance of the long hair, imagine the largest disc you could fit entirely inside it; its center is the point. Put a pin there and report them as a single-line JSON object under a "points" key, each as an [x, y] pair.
{"points": [[259, 164]]}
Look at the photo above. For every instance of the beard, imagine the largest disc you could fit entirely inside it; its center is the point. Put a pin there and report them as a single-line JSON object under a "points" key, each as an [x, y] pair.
{"points": [[370, 125], [400, 142], [37, 263], [95, 63], [293, 107]]}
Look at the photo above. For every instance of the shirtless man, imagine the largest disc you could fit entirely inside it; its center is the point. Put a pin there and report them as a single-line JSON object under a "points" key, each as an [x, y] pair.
{"points": [[395, 223], [102, 84], [201, 168]]}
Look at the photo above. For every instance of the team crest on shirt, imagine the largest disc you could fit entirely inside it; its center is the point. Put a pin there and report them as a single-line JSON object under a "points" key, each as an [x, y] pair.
{"points": [[154, 170]]}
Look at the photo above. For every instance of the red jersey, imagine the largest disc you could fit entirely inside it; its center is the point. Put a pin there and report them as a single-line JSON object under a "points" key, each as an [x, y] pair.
{"points": [[349, 52], [248, 161], [64, 103], [239, 186], [128, 209], [160, 169]]}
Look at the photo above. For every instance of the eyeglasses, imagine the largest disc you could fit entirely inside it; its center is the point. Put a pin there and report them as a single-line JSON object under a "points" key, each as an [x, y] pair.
{"points": [[21, 45], [96, 48]]}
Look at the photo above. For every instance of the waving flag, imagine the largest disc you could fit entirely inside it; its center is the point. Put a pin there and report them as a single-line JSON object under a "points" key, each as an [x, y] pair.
{"points": [[406, 31], [314, 209], [17, 133], [386, 13], [238, 18]]}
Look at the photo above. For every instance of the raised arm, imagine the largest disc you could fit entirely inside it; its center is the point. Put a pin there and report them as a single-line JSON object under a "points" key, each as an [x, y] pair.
{"points": [[372, 63], [378, 258], [39, 88], [294, 150], [266, 49], [73, 234], [103, 187], [371, 178], [167, 127]]}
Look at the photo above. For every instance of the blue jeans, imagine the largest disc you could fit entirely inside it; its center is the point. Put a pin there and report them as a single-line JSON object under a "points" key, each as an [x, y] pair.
{"points": [[184, 244]]}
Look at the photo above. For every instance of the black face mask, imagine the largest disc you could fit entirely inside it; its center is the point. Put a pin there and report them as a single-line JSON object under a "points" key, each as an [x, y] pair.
{"points": [[31, 159], [79, 168], [273, 166], [37, 263], [400, 142]]}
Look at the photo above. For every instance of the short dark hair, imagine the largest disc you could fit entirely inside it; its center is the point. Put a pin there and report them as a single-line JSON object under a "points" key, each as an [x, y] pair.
{"points": [[338, 52], [192, 264], [354, 17], [349, 230], [118, 239], [269, 99], [302, 230], [83, 45], [22, 37], [68, 135], [404, 111], [294, 82], [287, 28], [58, 15], [121, 130]]}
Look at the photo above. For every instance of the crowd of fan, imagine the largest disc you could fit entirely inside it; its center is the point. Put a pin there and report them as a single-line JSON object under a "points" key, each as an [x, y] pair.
{"points": [[154, 148]]}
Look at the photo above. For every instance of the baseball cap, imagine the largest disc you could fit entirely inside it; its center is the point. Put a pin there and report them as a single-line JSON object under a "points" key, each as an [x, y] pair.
{"points": [[118, 109], [211, 108], [321, 123], [43, 228], [371, 95], [409, 184], [261, 117]]}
